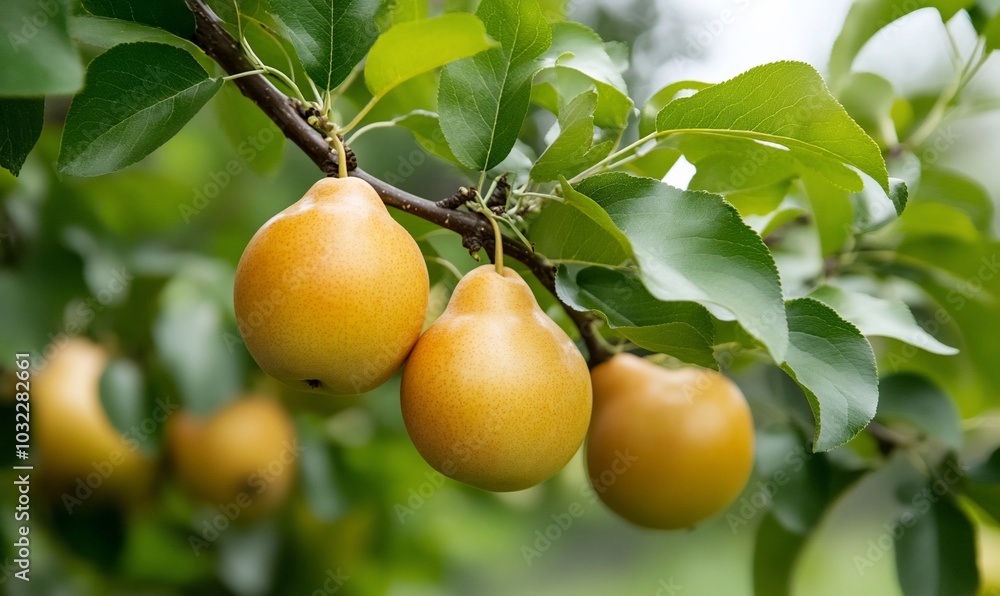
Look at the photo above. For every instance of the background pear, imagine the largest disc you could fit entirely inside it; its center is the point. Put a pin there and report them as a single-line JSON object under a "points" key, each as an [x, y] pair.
{"points": [[331, 293], [495, 394], [245, 454], [74, 438], [667, 448]]}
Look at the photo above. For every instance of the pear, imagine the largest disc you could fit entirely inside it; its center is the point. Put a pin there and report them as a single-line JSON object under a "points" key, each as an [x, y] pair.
{"points": [[242, 458], [667, 448], [495, 394], [331, 293], [80, 452]]}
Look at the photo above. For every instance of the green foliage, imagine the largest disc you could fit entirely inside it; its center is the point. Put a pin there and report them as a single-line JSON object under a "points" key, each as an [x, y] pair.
{"points": [[578, 61], [252, 134], [482, 131], [835, 366], [913, 400], [711, 257], [21, 123], [37, 56], [121, 390], [104, 33], [195, 336], [170, 15], [938, 554], [107, 129], [573, 150], [879, 317], [785, 104], [426, 128], [427, 44], [867, 17], [328, 59], [681, 329]]}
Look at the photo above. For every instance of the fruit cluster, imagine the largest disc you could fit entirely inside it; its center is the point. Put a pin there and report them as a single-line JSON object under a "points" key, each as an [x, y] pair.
{"points": [[494, 393], [331, 296]]}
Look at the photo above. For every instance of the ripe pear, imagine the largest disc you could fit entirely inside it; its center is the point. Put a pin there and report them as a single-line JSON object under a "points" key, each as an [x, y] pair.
{"points": [[79, 450], [495, 394], [331, 293], [667, 448], [245, 455]]}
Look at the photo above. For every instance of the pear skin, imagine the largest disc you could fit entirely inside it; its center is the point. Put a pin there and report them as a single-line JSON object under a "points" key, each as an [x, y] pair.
{"points": [[667, 448], [495, 394], [243, 457], [331, 293], [76, 442]]}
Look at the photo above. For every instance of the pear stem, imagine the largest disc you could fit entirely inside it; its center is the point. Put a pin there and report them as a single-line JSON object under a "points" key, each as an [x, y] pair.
{"points": [[341, 156], [498, 250]]}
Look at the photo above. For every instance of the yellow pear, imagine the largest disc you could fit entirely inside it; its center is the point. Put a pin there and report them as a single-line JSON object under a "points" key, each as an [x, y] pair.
{"points": [[667, 448], [330, 294], [242, 459], [495, 394], [80, 452]]}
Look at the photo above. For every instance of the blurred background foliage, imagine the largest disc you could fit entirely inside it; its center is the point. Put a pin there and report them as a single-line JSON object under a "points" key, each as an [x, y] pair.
{"points": [[142, 262]]}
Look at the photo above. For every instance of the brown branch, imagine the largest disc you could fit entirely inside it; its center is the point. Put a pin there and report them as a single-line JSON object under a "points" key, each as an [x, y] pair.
{"points": [[218, 44]]}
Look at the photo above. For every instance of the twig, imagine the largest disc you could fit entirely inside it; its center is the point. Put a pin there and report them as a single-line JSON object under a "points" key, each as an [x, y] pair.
{"points": [[218, 44]]}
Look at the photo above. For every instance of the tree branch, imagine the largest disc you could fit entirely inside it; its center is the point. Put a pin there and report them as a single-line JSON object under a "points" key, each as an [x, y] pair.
{"points": [[218, 44]]}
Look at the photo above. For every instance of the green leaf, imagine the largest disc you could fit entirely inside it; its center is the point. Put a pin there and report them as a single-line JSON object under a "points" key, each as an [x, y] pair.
{"points": [[20, 126], [937, 554], [873, 208], [879, 317], [244, 12], [912, 399], [850, 551], [869, 98], [659, 100], [104, 33], [172, 15], [758, 190], [797, 480], [867, 17], [426, 128], [786, 108], [318, 484], [832, 212], [938, 219], [36, 54], [653, 163], [987, 471], [518, 163], [577, 229], [483, 100], [415, 47], [693, 246], [775, 552], [991, 33], [579, 61], [121, 391], [683, 330], [191, 335], [963, 280], [982, 485], [330, 37], [136, 98], [954, 189], [254, 136], [573, 150], [834, 364], [400, 11]]}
